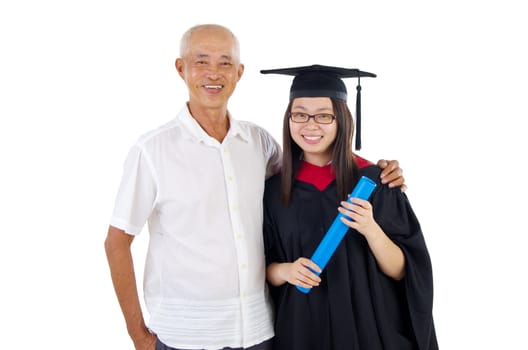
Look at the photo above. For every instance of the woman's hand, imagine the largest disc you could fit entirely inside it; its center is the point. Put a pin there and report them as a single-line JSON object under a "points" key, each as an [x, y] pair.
{"points": [[360, 211], [298, 273]]}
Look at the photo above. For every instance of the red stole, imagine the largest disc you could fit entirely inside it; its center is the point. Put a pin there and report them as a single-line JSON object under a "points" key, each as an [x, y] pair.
{"points": [[322, 176]]}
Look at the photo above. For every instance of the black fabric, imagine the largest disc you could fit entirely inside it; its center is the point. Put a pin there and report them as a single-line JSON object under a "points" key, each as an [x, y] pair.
{"points": [[356, 306]]}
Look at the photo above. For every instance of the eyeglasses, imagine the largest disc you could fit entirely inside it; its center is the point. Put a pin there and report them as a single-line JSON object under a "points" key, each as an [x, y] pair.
{"points": [[322, 118]]}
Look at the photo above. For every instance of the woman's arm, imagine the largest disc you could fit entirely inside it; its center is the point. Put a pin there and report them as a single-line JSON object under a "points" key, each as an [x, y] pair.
{"points": [[388, 255]]}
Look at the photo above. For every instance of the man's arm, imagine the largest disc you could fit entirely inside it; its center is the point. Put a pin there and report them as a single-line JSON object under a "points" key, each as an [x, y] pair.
{"points": [[392, 173], [119, 255]]}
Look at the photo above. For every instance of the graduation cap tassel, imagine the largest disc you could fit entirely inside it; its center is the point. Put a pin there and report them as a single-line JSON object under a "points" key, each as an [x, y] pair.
{"points": [[358, 116]]}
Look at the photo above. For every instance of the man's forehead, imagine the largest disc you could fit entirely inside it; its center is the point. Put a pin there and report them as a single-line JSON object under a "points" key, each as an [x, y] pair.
{"points": [[198, 54]]}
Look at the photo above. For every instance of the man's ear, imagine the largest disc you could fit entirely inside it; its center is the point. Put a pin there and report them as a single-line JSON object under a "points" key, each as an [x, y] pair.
{"points": [[240, 71], [179, 67]]}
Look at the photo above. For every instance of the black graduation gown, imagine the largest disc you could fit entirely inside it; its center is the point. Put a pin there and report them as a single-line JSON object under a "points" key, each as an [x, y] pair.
{"points": [[356, 306]]}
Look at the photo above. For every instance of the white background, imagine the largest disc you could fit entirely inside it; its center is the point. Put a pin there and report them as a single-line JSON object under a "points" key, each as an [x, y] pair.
{"points": [[81, 80]]}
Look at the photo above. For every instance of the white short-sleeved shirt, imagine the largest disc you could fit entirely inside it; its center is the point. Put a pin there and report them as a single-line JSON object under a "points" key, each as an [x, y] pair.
{"points": [[204, 280]]}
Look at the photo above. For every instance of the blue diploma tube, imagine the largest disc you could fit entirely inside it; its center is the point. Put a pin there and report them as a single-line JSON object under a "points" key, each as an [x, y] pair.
{"points": [[337, 230]]}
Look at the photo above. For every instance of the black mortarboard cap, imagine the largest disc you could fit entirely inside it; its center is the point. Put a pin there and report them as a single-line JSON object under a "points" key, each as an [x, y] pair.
{"points": [[324, 81]]}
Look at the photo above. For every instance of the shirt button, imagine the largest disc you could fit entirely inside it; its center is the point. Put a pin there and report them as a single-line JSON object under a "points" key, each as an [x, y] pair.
{"points": [[243, 266], [229, 178]]}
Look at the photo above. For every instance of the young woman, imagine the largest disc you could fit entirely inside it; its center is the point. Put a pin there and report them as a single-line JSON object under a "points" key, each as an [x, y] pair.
{"points": [[376, 292]]}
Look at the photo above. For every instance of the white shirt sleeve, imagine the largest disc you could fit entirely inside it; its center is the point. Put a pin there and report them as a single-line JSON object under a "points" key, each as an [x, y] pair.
{"points": [[137, 192], [273, 154]]}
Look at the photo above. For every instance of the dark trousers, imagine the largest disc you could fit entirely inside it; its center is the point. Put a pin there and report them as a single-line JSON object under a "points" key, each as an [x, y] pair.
{"points": [[262, 346]]}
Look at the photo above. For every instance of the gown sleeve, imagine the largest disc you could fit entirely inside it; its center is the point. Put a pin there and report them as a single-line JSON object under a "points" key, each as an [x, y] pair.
{"points": [[394, 214], [271, 240]]}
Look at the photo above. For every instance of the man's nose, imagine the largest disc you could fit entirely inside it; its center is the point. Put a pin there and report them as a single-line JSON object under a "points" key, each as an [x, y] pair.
{"points": [[213, 72]]}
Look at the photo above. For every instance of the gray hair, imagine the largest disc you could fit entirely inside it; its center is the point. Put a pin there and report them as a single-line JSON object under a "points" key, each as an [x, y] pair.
{"points": [[186, 37]]}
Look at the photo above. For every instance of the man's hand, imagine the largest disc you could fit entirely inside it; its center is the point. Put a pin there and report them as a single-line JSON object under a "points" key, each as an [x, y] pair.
{"points": [[147, 341], [392, 173]]}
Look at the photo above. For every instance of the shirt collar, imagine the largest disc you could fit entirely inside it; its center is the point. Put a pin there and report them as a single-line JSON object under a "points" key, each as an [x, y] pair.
{"points": [[195, 131]]}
